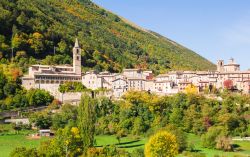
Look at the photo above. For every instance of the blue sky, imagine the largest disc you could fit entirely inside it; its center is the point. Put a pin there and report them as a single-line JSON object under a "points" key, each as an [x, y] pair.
{"points": [[216, 29]]}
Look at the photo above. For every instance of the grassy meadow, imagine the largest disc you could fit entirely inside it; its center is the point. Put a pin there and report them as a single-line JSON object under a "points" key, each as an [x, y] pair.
{"points": [[9, 142]]}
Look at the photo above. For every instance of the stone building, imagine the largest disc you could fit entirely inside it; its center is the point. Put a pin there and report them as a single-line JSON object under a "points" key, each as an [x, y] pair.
{"points": [[50, 77]]}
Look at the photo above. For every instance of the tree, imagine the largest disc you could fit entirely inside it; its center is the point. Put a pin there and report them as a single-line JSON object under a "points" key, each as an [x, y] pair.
{"points": [[19, 41], [24, 152], [176, 117], [62, 47], [22, 18], [3, 81], [86, 121], [228, 84], [191, 89], [9, 89], [37, 97], [71, 87], [181, 137], [138, 126], [37, 42], [209, 139], [16, 127], [224, 143], [67, 142], [67, 115], [41, 120], [162, 144]]}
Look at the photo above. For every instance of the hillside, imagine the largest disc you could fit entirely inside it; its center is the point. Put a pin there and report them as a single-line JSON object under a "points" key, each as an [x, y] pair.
{"points": [[109, 42]]}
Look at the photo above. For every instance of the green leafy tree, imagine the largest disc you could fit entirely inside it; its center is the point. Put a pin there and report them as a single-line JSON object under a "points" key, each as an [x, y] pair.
{"points": [[67, 142], [86, 121], [181, 137], [3, 81], [37, 97], [41, 120], [176, 117], [24, 152], [209, 139], [63, 47], [67, 115], [36, 42], [9, 89]]}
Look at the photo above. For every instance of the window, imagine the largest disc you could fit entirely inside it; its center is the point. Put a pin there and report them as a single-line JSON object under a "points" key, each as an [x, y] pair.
{"points": [[77, 58], [77, 51]]}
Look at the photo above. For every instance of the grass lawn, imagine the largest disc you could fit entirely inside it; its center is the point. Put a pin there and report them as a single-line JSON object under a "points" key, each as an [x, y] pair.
{"points": [[10, 142], [125, 143], [244, 147]]}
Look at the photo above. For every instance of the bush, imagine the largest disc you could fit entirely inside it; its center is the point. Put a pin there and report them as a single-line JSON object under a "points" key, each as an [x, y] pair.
{"points": [[209, 139], [24, 152], [224, 143], [181, 137], [137, 153], [161, 144]]}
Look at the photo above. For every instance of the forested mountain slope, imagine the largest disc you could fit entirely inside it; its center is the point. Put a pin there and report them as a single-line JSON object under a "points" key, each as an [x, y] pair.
{"points": [[34, 27]]}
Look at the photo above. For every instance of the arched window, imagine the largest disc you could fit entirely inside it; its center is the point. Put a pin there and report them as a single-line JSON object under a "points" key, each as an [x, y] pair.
{"points": [[77, 51], [77, 58]]}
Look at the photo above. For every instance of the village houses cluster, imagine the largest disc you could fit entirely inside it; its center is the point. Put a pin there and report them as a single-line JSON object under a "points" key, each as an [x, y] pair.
{"points": [[50, 77]]}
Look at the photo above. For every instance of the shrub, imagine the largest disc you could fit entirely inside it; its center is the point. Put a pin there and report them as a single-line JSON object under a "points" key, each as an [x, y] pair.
{"points": [[209, 139], [224, 143], [161, 144], [137, 153], [181, 137]]}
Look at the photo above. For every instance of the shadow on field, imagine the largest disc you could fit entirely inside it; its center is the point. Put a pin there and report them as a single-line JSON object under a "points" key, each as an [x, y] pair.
{"points": [[122, 143], [131, 146], [195, 150]]}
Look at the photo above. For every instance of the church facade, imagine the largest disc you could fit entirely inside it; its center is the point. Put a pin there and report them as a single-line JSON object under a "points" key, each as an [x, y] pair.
{"points": [[49, 77]]}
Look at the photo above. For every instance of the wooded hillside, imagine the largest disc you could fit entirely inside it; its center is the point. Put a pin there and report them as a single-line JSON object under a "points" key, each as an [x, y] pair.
{"points": [[34, 27]]}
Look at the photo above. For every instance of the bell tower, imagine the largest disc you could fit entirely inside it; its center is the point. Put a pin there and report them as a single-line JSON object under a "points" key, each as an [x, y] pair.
{"points": [[220, 66], [77, 58]]}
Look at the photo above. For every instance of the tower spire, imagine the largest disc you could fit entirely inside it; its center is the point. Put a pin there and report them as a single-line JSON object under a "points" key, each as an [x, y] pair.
{"points": [[77, 58], [76, 43]]}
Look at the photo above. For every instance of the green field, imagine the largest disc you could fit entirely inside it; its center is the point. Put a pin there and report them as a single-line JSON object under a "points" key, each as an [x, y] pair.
{"points": [[9, 142], [126, 143], [243, 146]]}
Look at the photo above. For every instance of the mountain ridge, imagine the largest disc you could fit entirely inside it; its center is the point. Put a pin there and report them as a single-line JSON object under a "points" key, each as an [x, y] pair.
{"points": [[109, 41]]}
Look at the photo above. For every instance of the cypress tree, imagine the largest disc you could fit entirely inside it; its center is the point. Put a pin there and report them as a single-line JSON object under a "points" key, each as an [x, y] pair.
{"points": [[86, 121]]}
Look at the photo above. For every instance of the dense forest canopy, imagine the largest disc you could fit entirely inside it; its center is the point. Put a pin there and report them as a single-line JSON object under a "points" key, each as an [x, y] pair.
{"points": [[34, 28]]}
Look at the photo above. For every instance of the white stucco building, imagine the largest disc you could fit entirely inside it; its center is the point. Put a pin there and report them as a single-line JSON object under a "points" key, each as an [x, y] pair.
{"points": [[50, 77]]}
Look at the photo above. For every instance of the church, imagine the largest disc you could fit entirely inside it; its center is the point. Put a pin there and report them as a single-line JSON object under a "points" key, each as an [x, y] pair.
{"points": [[50, 77]]}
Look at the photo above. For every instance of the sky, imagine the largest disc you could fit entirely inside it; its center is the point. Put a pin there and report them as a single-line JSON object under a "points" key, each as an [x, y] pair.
{"points": [[215, 29]]}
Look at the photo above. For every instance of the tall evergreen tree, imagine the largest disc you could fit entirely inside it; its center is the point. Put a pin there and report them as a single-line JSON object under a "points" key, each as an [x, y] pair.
{"points": [[86, 121]]}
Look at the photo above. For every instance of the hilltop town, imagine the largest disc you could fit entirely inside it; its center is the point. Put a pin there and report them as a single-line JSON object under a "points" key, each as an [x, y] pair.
{"points": [[51, 77], [78, 80]]}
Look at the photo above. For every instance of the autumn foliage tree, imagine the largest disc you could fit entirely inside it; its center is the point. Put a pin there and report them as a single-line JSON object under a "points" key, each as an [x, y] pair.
{"points": [[228, 84], [162, 144], [191, 89]]}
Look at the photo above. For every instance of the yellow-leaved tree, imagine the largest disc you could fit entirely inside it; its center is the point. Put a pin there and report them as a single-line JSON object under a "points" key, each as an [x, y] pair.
{"points": [[191, 89], [162, 144]]}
